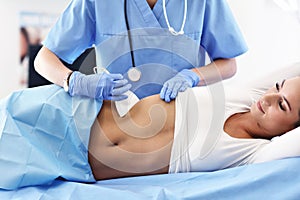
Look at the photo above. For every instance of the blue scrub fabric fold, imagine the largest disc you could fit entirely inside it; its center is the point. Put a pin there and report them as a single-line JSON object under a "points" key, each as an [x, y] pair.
{"points": [[44, 135]]}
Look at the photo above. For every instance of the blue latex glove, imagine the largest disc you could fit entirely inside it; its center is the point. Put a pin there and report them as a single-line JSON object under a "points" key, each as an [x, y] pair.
{"points": [[179, 83], [99, 86]]}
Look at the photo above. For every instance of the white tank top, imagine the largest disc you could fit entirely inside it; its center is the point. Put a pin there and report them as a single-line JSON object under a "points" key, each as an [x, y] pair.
{"points": [[200, 143]]}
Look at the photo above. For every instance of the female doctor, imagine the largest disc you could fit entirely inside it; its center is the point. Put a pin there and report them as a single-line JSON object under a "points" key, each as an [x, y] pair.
{"points": [[150, 46]]}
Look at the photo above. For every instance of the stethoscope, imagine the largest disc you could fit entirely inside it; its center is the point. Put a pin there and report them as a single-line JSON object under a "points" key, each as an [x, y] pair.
{"points": [[134, 74]]}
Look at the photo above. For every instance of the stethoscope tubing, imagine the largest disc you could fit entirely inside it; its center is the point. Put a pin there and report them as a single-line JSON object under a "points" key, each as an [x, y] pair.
{"points": [[171, 29], [129, 34], [134, 74]]}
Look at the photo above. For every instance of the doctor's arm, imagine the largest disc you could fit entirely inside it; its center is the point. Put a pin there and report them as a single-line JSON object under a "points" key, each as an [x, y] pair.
{"points": [[98, 86], [216, 71], [48, 65]]}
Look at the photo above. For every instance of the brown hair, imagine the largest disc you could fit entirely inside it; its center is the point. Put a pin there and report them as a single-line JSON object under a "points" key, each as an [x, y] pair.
{"points": [[26, 36], [297, 124]]}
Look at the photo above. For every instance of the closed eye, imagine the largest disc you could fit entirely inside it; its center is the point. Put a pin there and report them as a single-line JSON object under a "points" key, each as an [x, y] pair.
{"points": [[281, 105], [278, 87], [280, 102]]}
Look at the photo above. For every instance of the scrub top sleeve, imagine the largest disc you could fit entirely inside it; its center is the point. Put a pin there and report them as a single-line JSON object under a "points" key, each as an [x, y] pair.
{"points": [[221, 36], [74, 31]]}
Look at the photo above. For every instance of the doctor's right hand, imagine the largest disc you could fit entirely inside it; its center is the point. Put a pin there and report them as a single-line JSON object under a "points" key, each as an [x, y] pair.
{"points": [[99, 86]]}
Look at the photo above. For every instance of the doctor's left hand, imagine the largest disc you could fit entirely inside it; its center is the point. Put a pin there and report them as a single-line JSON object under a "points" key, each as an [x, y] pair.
{"points": [[179, 83]]}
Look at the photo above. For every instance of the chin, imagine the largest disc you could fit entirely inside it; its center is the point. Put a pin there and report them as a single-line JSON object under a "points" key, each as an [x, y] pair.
{"points": [[253, 111]]}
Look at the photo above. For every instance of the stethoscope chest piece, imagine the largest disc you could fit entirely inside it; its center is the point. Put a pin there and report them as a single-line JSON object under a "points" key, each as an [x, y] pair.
{"points": [[134, 74]]}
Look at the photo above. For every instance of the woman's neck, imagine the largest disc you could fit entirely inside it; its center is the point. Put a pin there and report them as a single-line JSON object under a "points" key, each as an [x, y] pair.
{"points": [[241, 125]]}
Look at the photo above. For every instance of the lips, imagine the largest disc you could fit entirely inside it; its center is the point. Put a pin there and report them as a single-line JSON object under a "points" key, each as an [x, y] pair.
{"points": [[259, 107]]}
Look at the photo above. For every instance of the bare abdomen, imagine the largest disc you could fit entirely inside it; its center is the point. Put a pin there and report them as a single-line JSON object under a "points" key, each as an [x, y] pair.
{"points": [[138, 144]]}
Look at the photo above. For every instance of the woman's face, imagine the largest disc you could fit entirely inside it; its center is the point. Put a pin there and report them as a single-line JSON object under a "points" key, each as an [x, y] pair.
{"points": [[277, 111]]}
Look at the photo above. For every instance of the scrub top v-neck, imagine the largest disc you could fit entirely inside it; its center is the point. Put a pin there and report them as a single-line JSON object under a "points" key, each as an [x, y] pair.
{"points": [[150, 16]]}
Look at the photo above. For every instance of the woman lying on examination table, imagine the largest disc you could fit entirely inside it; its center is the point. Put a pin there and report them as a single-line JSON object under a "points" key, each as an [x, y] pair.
{"points": [[46, 134]]}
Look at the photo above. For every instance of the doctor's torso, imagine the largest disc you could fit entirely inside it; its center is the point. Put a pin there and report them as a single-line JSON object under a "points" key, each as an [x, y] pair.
{"points": [[158, 53]]}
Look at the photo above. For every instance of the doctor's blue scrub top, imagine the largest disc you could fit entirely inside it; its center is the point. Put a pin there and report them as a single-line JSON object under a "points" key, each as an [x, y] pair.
{"points": [[210, 27]]}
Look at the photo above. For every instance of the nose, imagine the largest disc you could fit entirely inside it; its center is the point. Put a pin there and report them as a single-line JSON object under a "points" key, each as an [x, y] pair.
{"points": [[270, 99]]}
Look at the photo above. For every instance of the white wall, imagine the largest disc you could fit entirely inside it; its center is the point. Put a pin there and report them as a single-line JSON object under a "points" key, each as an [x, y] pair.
{"points": [[272, 36], [9, 36]]}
